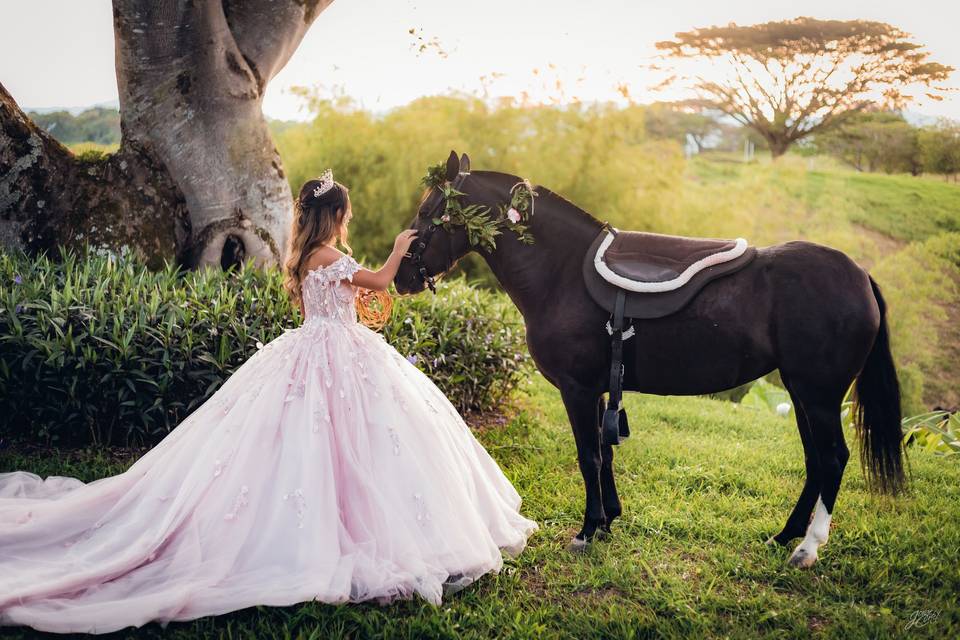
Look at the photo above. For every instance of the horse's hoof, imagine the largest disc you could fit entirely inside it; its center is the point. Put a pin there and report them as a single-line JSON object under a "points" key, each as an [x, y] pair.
{"points": [[578, 545], [802, 559]]}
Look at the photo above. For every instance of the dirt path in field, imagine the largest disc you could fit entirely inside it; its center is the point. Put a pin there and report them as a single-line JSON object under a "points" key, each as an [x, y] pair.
{"points": [[886, 245], [942, 384]]}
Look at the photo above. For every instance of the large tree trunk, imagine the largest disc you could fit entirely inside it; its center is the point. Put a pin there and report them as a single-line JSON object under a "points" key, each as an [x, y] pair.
{"points": [[778, 146], [207, 185]]}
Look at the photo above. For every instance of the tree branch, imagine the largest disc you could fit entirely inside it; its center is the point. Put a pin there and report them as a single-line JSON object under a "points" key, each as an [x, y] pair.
{"points": [[267, 33], [784, 78]]}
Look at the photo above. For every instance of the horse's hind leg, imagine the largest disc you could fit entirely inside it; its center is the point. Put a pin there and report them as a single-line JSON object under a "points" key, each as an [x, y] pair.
{"points": [[826, 454], [832, 453], [796, 525], [608, 485]]}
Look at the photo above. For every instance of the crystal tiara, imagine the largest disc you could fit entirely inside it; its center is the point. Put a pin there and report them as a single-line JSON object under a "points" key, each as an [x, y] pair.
{"points": [[326, 183]]}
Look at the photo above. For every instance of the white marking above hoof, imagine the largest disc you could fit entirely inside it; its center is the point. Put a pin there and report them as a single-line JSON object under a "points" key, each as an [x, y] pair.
{"points": [[805, 555]]}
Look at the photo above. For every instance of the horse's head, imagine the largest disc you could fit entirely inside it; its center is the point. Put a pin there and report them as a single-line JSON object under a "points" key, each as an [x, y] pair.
{"points": [[437, 247]]}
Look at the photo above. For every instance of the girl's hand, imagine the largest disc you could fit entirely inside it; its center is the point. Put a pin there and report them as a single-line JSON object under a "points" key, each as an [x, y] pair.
{"points": [[403, 241], [380, 279]]}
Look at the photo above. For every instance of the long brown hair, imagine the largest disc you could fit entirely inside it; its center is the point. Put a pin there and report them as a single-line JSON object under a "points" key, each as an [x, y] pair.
{"points": [[317, 219]]}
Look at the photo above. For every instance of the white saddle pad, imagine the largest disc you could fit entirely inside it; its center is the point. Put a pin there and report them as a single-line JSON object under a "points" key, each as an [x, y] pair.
{"points": [[667, 285]]}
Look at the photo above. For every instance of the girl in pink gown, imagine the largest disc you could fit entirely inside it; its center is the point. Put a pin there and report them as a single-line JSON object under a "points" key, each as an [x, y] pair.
{"points": [[326, 468]]}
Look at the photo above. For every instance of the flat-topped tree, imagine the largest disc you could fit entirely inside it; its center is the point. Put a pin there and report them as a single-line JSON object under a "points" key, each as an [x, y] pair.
{"points": [[197, 177], [787, 80], [682, 121]]}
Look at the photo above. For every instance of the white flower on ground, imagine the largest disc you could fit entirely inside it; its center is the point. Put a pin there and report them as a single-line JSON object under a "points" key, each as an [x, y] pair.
{"points": [[513, 215]]}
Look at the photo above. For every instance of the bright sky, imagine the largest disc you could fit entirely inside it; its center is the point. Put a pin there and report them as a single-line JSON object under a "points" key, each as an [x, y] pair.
{"points": [[60, 52]]}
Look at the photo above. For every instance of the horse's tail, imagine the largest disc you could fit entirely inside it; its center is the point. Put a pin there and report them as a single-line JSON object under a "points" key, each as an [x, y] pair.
{"points": [[877, 412]]}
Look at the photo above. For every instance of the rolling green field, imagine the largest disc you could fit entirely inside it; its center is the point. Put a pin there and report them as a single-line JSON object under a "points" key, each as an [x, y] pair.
{"points": [[704, 483]]}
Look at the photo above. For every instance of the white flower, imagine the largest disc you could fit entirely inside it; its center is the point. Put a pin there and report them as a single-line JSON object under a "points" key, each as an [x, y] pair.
{"points": [[783, 408], [445, 217], [259, 345], [513, 215]]}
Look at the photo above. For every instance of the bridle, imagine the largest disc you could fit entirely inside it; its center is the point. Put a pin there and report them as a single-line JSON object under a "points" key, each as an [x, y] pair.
{"points": [[416, 254]]}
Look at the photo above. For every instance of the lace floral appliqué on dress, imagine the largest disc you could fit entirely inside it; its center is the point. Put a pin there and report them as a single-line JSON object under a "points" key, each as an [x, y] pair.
{"points": [[327, 293], [327, 467]]}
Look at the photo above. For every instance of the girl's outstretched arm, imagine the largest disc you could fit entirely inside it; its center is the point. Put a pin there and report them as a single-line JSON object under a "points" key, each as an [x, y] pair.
{"points": [[380, 279], [377, 280]]}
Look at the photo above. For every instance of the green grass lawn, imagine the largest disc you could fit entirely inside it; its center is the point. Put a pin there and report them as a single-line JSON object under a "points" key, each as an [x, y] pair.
{"points": [[900, 206], [816, 199], [704, 483]]}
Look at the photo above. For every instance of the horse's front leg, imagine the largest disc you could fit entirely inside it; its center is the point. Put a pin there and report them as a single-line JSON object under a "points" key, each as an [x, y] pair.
{"points": [[581, 405], [608, 486]]}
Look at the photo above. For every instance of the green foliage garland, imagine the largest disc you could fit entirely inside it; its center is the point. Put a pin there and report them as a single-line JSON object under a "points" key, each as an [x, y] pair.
{"points": [[482, 228]]}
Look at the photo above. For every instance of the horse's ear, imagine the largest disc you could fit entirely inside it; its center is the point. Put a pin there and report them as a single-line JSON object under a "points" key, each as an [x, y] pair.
{"points": [[453, 166], [464, 163]]}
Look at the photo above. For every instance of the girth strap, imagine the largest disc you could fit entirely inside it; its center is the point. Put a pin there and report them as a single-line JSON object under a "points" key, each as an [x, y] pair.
{"points": [[610, 429]]}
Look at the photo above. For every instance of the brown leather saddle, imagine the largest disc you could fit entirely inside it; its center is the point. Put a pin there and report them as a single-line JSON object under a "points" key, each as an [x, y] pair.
{"points": [[642, 276], [658, 274]]}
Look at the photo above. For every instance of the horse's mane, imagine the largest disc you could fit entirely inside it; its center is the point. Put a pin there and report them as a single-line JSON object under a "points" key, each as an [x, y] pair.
{"points": [[566, 204], [552, 196]]}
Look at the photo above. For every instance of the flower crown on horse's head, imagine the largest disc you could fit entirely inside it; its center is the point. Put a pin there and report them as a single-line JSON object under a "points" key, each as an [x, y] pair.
{"points": [[483, 225]]}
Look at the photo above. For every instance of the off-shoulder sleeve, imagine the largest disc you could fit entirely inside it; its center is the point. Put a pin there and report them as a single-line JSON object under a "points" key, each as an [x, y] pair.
{"points": [[342, 268]]}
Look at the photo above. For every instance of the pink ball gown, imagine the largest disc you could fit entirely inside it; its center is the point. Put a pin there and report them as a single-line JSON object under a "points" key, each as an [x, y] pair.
{"points": [[326, 468]]}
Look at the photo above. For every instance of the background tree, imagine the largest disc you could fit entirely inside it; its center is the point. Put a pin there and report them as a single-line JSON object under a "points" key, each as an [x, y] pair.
{"points": [[940, 148], [197, 177], [874, 141], [788, 80], [678, 120]]}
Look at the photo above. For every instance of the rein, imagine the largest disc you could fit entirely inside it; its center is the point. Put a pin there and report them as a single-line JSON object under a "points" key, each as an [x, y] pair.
{"points": [[416, 255]]}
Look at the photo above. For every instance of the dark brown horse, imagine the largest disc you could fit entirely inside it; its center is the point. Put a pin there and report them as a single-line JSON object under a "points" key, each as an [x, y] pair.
{"points": [[802, 308]]}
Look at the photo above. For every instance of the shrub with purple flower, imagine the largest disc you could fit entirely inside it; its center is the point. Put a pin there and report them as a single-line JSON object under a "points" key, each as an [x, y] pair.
{"points": [[469, 341]]}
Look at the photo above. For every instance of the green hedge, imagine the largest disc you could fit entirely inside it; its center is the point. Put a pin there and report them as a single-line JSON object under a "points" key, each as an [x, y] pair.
{"points": [[98, 349]]}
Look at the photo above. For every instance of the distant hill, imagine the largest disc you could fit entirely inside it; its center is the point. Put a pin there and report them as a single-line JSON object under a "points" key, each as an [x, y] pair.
{"points": [[109, 104], [98, 124], [919, 119]]}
